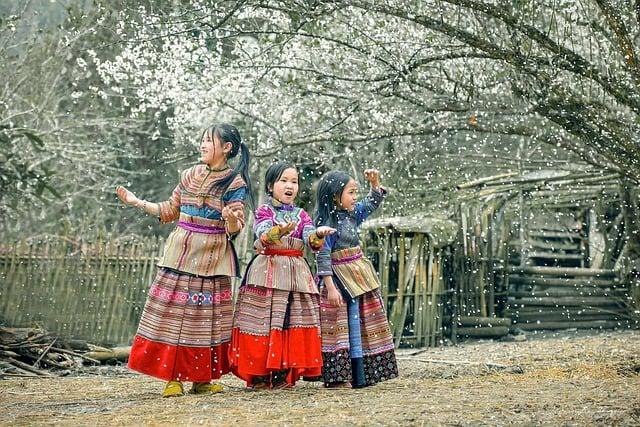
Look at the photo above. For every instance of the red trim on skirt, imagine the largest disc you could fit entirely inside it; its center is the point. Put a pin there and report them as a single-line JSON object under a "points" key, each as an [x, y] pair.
{"points": [[170, 362], [295, 349]]}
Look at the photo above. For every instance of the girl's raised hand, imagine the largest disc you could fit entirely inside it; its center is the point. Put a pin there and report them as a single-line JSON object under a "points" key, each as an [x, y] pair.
{"points": [[373, 176], [287, 228], [233, 213], [126, 196], [324, 231]]}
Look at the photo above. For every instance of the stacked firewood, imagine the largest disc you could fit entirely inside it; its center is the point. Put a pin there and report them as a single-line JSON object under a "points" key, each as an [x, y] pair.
{"points": [[28, 352]]}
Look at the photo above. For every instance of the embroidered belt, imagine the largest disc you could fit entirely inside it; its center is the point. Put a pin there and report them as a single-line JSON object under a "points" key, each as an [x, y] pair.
{"points": [[347, 259], [282, 252], [198, 228]]}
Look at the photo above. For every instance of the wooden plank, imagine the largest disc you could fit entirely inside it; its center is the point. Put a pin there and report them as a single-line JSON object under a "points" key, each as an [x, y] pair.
{"points": [[428, 291], [584, 281], [487, 331], [613, 309], [547, 235], [589, 324], [562, 271], [569, 292], [396, 310], [482, 321], [560, 301], [384, 266], [531, 317], [555, 255], [409, 282], [549, 245], [419, 302]]}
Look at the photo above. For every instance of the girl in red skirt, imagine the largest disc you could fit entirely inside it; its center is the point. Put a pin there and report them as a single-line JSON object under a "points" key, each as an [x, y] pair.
{"points": [[276, 328], [185, 328]]}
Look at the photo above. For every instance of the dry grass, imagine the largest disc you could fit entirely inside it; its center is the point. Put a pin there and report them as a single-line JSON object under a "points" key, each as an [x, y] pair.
{"points": [[568, 379]]}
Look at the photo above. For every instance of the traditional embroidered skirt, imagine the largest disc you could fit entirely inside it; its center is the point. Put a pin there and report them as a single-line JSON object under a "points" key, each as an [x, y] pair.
{"points": [[276, 330], [357, 345], [354, 270], [185, 329]]}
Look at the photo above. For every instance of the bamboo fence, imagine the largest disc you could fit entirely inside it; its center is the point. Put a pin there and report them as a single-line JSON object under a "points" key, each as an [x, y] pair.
{"points": [[93, 290], [409, 254]]}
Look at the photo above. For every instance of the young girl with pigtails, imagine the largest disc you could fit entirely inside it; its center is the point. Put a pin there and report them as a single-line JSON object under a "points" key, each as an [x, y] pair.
{"points": [[185, 328], [276, 328], [357, 346]]}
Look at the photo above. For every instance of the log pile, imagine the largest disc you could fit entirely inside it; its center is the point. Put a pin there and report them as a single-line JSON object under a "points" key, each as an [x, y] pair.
{"points": [[31, 352], [481, 327]]}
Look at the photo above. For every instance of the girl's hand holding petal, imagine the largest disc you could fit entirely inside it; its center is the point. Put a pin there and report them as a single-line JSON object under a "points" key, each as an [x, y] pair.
{"points": [[126, 196], [287, 228], [233, 214], [324, 231]]}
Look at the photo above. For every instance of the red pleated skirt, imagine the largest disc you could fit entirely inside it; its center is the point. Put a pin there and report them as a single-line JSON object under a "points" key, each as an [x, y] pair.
{"points": [[275, 330], [185, 328]]}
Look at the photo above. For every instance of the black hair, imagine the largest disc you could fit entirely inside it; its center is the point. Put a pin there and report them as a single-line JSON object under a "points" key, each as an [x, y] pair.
{"points": [[274, 173], [229, 133], [331, 185]]}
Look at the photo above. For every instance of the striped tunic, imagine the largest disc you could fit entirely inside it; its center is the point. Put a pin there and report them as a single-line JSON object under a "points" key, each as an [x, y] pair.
{"points": [[289, 273], [196, 200], [341, 254]]}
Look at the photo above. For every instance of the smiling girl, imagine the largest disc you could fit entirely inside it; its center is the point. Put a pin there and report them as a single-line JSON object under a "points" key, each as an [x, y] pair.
{"points": [[357, 347], [185, 328], [276, 329]]}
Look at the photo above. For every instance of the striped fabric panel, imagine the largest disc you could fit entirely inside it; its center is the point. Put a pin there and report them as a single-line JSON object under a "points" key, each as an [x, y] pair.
{"points": [[374, 327], [260, 310], [358, 276], [169, 318], [197, 188], [199, 253], [334, 325], [206, 193], [281, 272], [375, 331]]}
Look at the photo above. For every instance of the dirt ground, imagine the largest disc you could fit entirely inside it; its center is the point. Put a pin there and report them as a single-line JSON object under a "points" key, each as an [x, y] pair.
{"points": [[567, 378]]}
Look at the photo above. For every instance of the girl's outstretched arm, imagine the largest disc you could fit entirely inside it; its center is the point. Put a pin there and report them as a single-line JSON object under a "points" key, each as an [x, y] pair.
{"points": [[130, 199]]}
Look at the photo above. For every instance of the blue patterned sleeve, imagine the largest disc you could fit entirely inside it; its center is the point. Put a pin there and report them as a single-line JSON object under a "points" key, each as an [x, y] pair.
{"points": [[236, 195], [323, 257], [369, 204]]}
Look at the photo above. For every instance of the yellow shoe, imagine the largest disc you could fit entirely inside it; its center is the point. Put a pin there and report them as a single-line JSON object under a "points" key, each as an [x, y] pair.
{"points": [[172, 389], [206, 388]]}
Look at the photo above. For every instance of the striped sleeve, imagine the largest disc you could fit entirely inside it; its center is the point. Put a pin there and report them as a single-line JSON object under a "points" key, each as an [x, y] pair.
{"points": [[264, 220], [323, 257], [169, 210], [369, 204], [308, 232]]}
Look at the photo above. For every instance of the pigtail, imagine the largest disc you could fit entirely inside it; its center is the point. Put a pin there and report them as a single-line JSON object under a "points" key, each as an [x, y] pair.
{"points": [[229, 133], [242, 168]]}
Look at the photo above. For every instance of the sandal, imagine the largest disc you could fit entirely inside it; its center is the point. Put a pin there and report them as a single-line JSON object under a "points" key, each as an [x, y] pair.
{"points": [[260, 383], [173, 389], [206, 388], [279, 380]]}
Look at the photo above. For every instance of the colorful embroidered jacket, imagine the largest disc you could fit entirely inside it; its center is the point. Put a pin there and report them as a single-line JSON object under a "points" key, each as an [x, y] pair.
{"points": [[199, 244], [341, 255], [279, 263]]}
